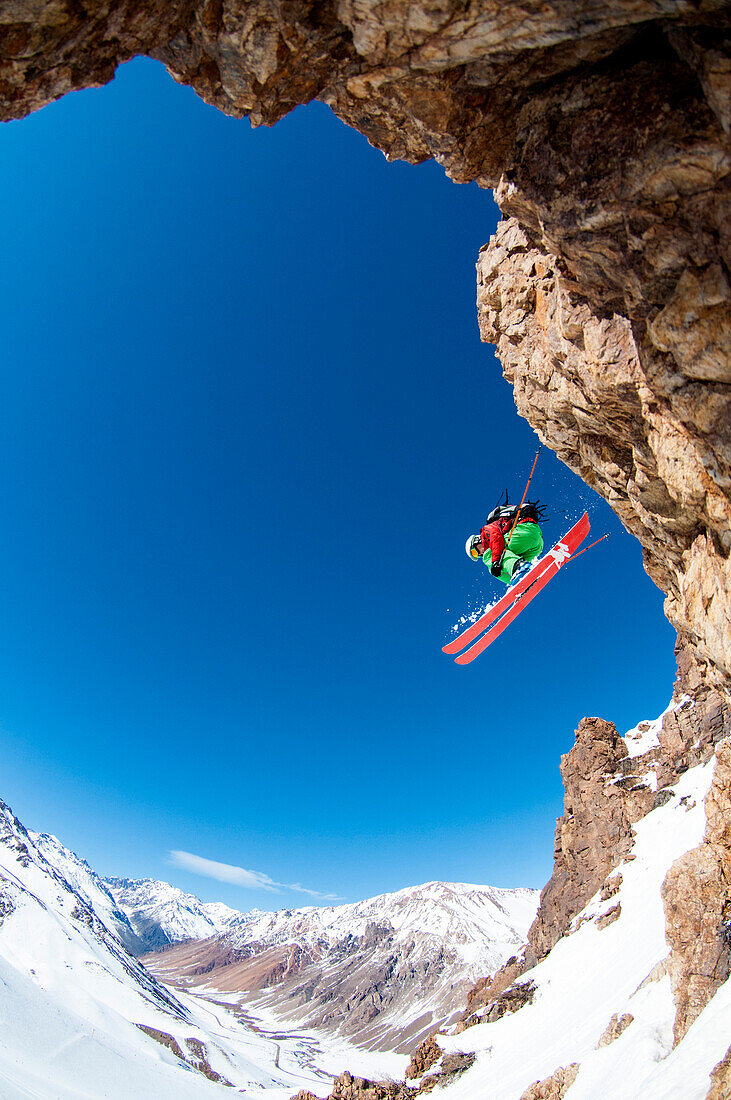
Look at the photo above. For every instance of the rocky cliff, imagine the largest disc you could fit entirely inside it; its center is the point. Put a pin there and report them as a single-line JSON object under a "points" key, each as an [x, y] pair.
{"points": [[603, 128]]}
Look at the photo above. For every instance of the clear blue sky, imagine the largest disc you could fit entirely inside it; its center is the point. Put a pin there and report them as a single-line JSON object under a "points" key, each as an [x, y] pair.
{"points": [[246, 426]]}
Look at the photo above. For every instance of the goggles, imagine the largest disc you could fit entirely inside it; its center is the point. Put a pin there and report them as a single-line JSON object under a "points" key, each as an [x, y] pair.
{"points": [[474, 552]]}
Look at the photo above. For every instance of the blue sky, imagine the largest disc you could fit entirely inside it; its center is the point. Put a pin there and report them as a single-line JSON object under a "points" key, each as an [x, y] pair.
{"points": [[246, 426]]}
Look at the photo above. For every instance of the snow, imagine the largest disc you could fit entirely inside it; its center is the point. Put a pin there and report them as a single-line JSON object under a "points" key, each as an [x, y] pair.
{"points": [[88, 884], [645, 736], [72, 998]]}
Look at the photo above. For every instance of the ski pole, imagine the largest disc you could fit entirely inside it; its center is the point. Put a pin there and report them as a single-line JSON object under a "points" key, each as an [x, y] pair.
{"points": [[525, 494], [580, 552]]}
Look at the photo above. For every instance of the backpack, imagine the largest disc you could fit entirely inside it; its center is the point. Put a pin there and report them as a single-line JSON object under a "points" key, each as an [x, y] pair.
{"points": [[531, 510]]}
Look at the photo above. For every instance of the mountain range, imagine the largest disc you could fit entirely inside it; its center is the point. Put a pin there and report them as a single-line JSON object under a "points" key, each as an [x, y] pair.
{"points": [[384, 972], [79, 1004]]}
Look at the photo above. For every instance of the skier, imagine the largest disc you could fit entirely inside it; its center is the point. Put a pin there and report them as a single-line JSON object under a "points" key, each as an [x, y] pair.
{"points": [[502, 551]]}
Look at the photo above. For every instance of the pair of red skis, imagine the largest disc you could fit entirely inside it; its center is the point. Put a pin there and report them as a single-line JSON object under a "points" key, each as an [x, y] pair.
{"points": [[517, 597]]}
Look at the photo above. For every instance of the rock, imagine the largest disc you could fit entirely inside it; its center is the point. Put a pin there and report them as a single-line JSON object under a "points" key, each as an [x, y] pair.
{"points": [[614, 1028], [500, 1001], [555, 1086], [452, 1066], [661, 799], [592, 837], [611, 887], [596, 395], [604, 798], [697, 899], [513, 999], [487, 990], [195, 1054], [721, 1079], [423, 1058], [609, 917]]}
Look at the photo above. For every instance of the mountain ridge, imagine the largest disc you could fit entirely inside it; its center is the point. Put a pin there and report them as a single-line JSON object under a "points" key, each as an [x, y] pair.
{"points": [[162, 914]]}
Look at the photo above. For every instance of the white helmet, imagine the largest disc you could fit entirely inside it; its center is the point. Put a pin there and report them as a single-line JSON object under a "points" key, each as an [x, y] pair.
{"points": [[473, 547]]}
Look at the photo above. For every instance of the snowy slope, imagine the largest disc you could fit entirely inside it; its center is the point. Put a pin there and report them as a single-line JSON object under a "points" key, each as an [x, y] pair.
{"points": [[383, 972], [74, 1003], [160, 914], [594, 973]]}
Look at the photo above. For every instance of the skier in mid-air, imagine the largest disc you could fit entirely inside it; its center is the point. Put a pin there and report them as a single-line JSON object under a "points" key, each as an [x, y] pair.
{"points": [[509, 537]]}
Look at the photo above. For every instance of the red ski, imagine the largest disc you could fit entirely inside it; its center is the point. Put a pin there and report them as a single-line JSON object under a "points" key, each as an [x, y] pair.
{"points": [[512, 603]]}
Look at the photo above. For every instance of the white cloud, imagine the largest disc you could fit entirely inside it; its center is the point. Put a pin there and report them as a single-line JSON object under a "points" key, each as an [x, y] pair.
{"points": [[223, 872], [239, 876]]}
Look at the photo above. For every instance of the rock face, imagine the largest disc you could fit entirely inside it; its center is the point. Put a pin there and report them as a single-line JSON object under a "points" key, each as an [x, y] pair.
{"points": [[603, 128], [697, 898], [608, 790], [615, 1027], [595, 832], [721, 1079], [648, 442]]}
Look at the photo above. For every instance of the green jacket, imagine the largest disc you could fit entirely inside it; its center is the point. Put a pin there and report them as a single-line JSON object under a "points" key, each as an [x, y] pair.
{"points": [[526, 543]]}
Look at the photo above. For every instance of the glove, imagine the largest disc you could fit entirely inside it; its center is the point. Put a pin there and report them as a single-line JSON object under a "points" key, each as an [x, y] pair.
{"points": [[496, 568]]}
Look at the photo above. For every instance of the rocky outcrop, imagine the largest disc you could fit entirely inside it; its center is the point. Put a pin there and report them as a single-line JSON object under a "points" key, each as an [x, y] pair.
{"points": [[607, 791], [614, 1028], [595, 832], [348, 1087], [554, 1087], [697, 899], [604, 795], [192, 1054], [603, 128], [423, 1058], [721, 1079]]}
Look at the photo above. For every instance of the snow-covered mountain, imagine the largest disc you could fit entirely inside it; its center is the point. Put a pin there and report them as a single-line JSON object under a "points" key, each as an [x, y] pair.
{"points": [[384, 972], [160, 914], [79, 1017], [90, 886]]}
